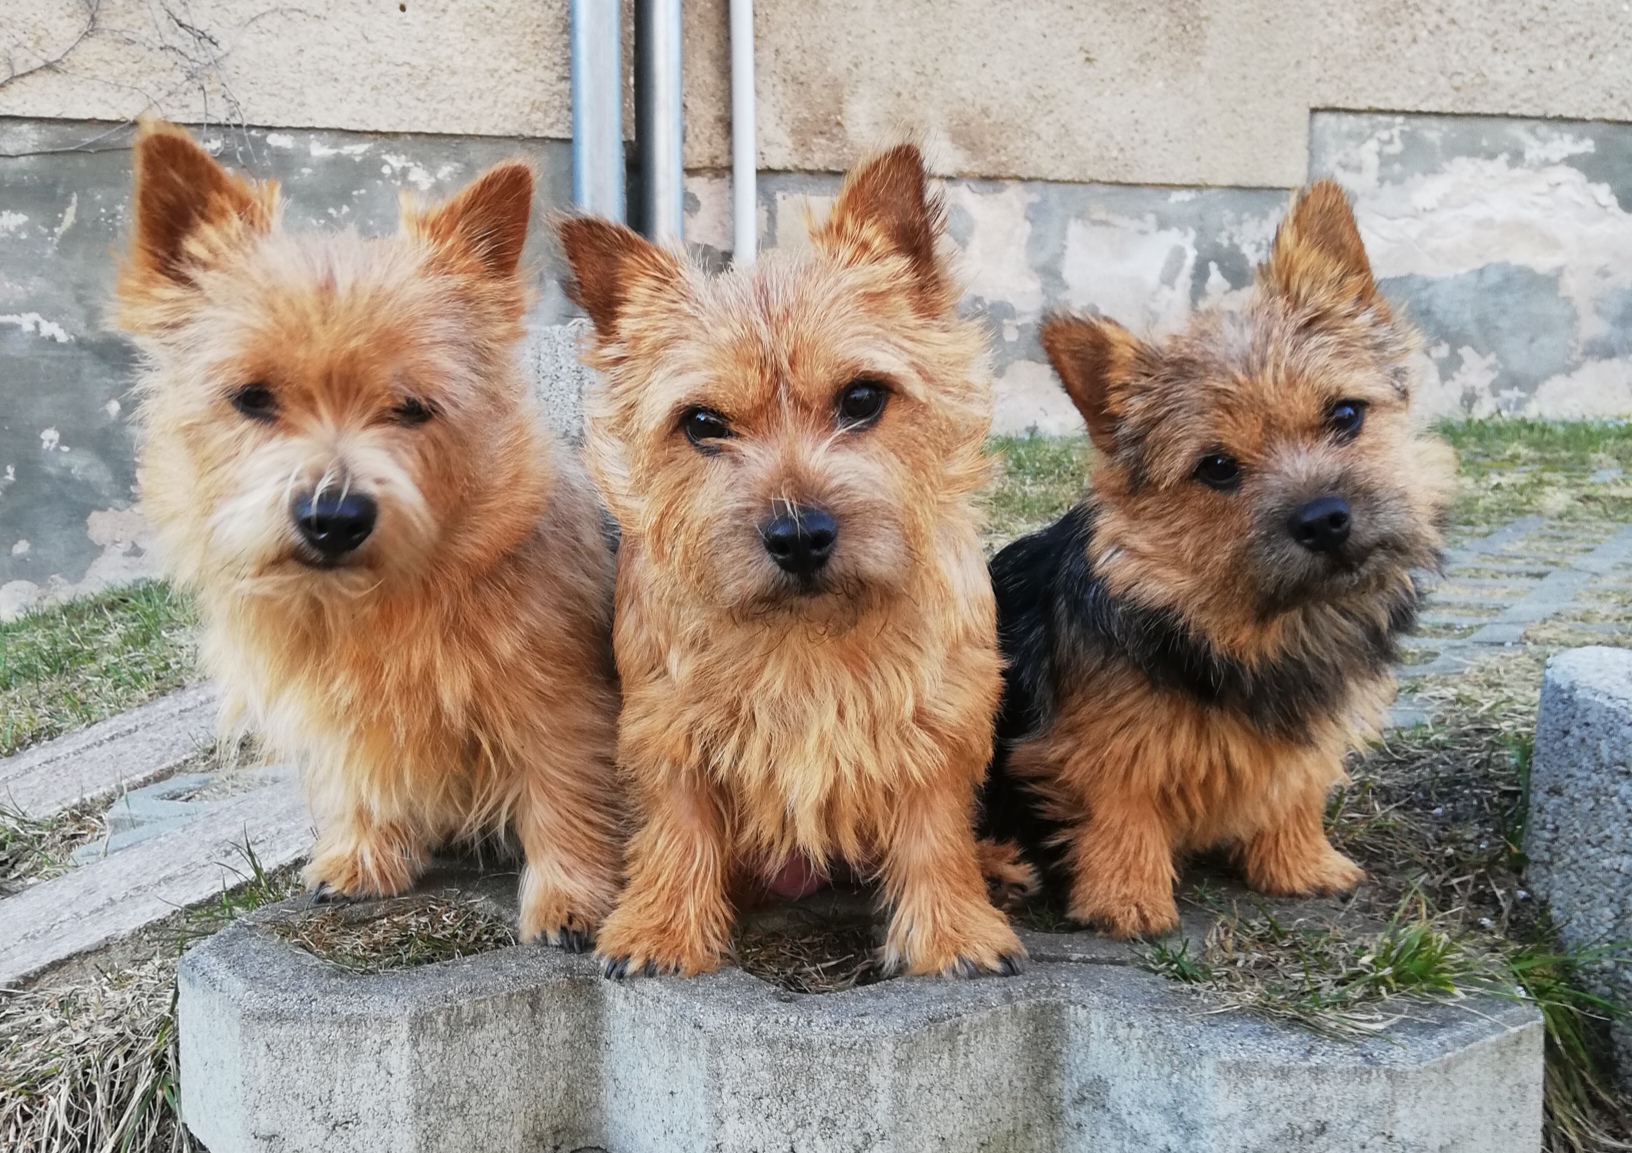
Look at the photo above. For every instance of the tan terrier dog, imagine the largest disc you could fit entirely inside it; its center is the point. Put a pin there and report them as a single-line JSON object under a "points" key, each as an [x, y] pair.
{"points": [[1194, 648], [805, 629], [405, 583]]}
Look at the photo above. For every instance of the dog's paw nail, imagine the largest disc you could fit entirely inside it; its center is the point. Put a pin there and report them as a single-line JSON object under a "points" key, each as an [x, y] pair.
{"points": [[650, 969], [615, 968], [1011, 964], [324, 894], [574, 941]]}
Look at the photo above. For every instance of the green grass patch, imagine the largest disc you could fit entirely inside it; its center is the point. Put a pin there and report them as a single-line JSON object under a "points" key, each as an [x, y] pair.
{"points": [[73, 664], [1039, 477], [1568, 470]]}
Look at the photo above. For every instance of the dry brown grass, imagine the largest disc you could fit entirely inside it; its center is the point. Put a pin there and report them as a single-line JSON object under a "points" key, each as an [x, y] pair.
{"points": [[401, 933]]}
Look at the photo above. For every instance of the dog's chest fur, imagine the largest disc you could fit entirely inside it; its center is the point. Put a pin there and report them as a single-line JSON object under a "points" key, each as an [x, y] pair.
{"points": [[811, 738]]}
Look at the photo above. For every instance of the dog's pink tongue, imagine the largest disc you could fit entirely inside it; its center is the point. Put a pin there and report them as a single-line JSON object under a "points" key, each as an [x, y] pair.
{"points": [[799, 877]]}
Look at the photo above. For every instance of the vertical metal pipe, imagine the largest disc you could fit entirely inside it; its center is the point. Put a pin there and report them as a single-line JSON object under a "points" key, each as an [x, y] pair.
{"points": [[744, 143], [659, 119], [597, 108]]}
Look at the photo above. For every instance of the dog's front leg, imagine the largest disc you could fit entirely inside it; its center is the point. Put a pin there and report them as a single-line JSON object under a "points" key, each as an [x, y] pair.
{"points": [[1291, 855], [942, 921], [673, 915]]}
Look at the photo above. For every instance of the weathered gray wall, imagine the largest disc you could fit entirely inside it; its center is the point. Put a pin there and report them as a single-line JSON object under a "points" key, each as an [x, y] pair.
{"points": [[1509, 242]]}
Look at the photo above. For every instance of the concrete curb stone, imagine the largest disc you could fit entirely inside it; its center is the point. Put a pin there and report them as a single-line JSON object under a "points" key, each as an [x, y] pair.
{"points": [[530, 1049], [1579, 833]]}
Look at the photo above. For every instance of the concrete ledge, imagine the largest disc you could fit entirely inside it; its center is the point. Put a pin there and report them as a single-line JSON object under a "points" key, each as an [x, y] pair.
{"points": [[530, 1049], [1579, 834]]}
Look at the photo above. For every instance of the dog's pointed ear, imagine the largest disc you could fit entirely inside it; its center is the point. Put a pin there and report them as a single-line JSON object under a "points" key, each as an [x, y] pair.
{"points": [[613, 268], [485, 223], [1095, 358], [887, 208], [1318, 260], [187, 207]]}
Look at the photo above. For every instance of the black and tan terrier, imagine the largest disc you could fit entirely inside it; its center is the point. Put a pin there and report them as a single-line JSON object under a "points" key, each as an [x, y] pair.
{"points": [[805, 629], [1193, 649]]}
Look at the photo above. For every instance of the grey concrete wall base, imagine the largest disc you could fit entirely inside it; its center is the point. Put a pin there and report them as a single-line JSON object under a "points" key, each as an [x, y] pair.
{"points": [[530, 1049], [1579, 834]]}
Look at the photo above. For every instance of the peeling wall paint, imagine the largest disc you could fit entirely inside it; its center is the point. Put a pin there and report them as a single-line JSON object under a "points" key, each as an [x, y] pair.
{"points": [[1509, 242]]}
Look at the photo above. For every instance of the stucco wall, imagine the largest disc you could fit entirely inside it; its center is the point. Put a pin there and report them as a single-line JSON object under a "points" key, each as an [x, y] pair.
{"points": [[1185, 92]]}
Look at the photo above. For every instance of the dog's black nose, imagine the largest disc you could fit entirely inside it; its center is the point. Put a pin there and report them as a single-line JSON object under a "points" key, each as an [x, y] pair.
{"points": [[1321, 525], [335, 525], [800, 540]]}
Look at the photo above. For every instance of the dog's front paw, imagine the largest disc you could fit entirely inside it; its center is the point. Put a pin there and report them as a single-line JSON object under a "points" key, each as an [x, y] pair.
{"points": [[628, 949], [1326, 873], [558, 916], [339, 875], [1126, 915], [962, 942]]}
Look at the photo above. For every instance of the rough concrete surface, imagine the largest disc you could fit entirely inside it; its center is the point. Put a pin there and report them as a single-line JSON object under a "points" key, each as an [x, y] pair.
{"points": [[111, 756], [530, 1049], [1579, 835], [1213, 92]]}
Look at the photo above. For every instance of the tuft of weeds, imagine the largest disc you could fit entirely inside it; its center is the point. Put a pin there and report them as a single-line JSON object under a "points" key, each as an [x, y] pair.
{"points": [[825, 944], [89, 1061], [399, 933], [34, 849], [77, 663]]}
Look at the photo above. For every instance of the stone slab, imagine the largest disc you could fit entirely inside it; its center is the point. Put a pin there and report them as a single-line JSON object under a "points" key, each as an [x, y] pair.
{"points": [[186, 864], [530, 1049], [107, 758], [1579, 834]]}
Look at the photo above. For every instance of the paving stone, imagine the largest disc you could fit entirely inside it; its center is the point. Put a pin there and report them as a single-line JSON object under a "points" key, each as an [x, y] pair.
{"points": [[186, 864], [1579, 834], [530, 1049], [106, 758]]}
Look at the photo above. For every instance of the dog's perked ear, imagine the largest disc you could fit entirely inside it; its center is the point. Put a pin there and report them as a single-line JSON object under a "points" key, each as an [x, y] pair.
{"points": [[485, 224], [887, 208], [187, 209], [1095, 358], [1319, 261], [614, 270]]}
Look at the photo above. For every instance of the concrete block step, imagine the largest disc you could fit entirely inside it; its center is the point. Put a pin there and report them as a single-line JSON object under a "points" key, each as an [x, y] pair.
{"points": [[529, 1049]]}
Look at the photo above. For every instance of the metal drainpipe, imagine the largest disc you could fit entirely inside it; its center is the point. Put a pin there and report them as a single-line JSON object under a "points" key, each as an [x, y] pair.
{"points": [[597, 108], [744, 145], [659, 120]]}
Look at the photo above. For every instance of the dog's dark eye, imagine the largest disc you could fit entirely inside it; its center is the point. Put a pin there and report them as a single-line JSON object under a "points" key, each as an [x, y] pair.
{"points": [[861, 402], [1219, 471], [703, 425], [413, 411], [1346, 418], [256, 402]]}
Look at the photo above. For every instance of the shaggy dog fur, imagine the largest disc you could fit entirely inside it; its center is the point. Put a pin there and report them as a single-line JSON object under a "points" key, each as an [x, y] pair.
{"points": [[451, 674], [1195, 647], [841, 714]]}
